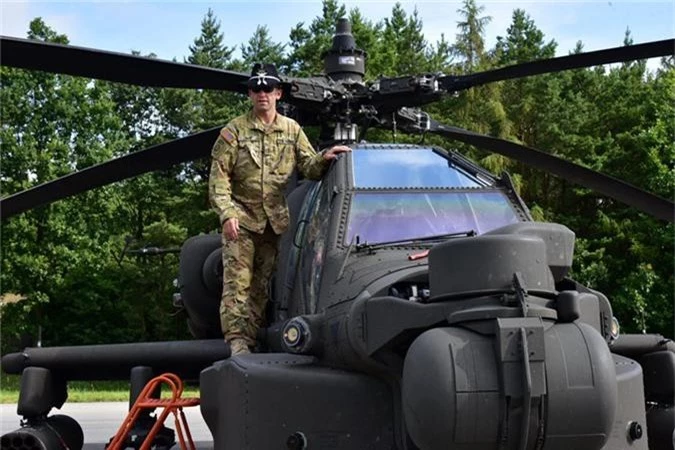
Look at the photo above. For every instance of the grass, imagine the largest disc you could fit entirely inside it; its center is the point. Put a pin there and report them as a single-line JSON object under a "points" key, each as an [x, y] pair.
{"points": [[84, 391]]}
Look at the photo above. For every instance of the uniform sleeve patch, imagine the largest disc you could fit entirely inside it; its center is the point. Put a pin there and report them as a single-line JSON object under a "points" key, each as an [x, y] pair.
{"points": [[227, 135]]}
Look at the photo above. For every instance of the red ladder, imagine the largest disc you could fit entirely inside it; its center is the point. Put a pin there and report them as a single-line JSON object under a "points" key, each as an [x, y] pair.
{"points": [[173, 405]]}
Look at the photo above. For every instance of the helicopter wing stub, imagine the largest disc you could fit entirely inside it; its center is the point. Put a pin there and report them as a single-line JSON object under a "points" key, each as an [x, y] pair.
{"points": [[112, 66], [604, 184], [161, 156], [576, 61]]}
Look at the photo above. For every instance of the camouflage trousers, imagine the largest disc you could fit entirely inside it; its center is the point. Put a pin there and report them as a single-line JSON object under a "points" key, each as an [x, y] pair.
{"points": [[248, 263]]}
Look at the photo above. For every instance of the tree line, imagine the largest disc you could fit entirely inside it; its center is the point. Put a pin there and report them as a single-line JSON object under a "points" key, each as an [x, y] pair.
{"points": [[78, 285]]}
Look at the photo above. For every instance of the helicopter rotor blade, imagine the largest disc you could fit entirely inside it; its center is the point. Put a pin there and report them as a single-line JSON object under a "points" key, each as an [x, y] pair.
{"points": [[157, 157], [111, 66], [613, 55], [611, 187]]}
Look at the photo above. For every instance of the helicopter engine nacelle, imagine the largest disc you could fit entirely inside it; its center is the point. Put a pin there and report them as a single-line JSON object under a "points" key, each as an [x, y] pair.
{"points": [[556, 387], [200, 280]]}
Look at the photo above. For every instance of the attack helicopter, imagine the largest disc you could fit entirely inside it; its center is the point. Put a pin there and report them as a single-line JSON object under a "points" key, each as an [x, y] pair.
{"points": [[418, 306]]}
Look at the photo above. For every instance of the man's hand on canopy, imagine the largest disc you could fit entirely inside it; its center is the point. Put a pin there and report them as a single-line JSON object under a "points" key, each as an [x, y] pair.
{"points": [[332, 152]]}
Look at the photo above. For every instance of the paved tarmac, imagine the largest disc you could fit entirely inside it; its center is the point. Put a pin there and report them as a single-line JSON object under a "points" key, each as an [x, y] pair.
{"points": [[100, 421]]}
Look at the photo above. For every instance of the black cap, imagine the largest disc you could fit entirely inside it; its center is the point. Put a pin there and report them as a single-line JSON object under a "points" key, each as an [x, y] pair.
{"points": [[263, 74]]}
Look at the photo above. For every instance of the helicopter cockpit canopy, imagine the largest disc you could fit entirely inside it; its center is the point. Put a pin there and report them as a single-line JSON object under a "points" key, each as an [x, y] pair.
{"points": [[409, 193]]}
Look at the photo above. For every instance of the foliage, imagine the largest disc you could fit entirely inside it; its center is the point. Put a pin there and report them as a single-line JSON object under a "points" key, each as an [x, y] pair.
{"points": [[54, 125], [208, 49], [84, 391], [261, 48], [470, 42], [68, 258], [307, 45]]}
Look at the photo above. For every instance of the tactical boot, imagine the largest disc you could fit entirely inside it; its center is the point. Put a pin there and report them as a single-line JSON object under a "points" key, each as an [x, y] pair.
{"points": [[239, 347]]}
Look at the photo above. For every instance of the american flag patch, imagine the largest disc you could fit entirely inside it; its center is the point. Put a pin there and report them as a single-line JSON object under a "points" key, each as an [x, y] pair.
{"points": [[227, 135]]}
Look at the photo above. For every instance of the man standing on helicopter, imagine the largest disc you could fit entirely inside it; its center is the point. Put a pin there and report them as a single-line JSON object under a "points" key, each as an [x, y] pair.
{"points": [[252, 161]]}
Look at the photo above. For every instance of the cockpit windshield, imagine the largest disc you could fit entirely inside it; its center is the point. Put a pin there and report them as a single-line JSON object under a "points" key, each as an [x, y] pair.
{"points": [[389, 216], [406, 168], [408, 193]]}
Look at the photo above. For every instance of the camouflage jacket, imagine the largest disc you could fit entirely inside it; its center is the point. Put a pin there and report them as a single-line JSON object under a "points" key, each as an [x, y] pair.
{"points": [[251, 166]]}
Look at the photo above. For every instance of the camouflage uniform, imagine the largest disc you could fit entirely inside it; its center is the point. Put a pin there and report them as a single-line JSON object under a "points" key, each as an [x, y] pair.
{"points": [[251, 165]]}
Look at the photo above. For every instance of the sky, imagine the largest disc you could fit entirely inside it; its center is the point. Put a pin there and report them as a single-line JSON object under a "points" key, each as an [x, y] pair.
{"points": [[168, 28]]}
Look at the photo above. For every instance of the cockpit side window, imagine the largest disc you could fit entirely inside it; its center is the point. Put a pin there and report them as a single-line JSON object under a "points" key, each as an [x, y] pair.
{"points": [[314, 247]]}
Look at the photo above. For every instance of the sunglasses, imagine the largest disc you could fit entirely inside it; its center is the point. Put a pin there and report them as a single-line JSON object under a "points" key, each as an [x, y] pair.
{"points": [[262, 88]]}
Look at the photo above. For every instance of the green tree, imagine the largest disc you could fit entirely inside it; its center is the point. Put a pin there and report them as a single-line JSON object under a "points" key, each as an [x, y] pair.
{"points": [[184, 112], [403, 42], [308, 44], [527, 101], [213, 108], [52, 126], [440, 56], [524, 42], [261, 48], [208, 49], [613, 121], [368, 37], [480, 108], [470, 41]]}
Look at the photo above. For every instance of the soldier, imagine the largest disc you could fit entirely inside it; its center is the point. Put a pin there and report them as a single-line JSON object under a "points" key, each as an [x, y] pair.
{"points": [[252, 160]]}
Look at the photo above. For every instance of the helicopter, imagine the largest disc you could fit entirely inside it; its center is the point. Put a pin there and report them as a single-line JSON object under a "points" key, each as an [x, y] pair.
{"points": [[418, 306]]}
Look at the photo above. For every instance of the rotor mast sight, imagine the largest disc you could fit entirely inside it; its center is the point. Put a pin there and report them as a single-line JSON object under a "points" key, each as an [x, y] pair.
{"points": [[345, 64]]}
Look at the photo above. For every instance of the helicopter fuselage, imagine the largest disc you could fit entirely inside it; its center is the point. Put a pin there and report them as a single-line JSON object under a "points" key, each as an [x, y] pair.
{"points": [[415, 305]]}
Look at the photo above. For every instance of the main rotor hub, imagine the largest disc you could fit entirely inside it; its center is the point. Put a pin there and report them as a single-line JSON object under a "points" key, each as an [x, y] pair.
{"points": [[344, 62]]}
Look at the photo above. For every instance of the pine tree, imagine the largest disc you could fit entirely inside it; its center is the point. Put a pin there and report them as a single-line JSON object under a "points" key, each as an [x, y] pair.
{"points": [[527, 100], [368, 37], [523, 42], [187, 111], [403, 42], [208, 49], [480, 108], [307, 45], [470, 41], [261, 48], [206, 109]]}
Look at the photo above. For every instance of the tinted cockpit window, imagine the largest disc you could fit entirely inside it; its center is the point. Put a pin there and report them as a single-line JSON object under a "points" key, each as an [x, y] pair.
{"points": [[389, 216], [405, 168]]}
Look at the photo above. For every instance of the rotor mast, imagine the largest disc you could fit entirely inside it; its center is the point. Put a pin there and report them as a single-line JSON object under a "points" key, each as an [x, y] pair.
{"points": [[345, 64]]}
